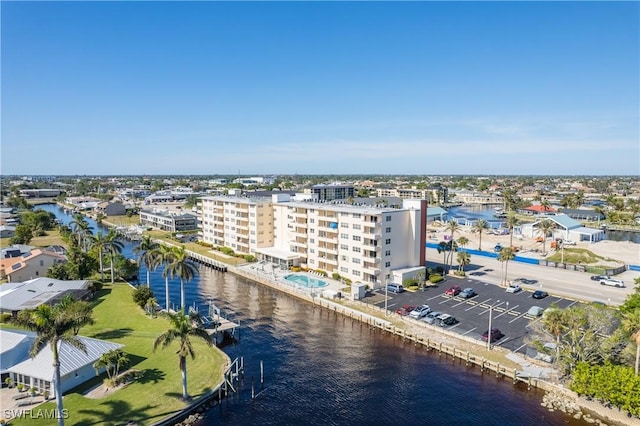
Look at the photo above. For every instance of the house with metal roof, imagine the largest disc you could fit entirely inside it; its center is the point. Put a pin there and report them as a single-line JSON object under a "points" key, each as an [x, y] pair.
{"points": [[76, 365], [566, 228], [17, 296]]}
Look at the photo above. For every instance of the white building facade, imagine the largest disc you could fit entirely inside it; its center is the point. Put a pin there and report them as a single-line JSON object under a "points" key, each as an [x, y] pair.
{"points": [[361, 243]]}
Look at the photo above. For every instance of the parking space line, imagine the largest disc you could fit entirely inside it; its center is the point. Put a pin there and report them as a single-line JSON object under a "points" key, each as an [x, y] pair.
{"points": [[517, 318], [523, 345], [499, 315], [479, 304], [467, 332], [435, 297], [459, 303], [494, 308], [571, 304]]}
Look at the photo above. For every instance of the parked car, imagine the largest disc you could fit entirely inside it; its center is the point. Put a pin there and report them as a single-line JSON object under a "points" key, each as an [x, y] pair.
{"points": [[405, 310], [539, 294], [420, 311], [535, 311], [431, 317], [395, 288], [446, 319], [496, 334], [498, 248], [612, 282], [468, 293], [599, 277], [453, 290], [569, 243], [513, 288]]}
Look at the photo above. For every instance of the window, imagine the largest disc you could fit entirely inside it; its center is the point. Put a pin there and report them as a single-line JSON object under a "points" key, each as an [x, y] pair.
{"points": [[345, 258], [356, 238], [387, 253], [312, 220], [387, 241], [387, 230], [357, 215], [344, 247], [312, 240], [356, 226], [312, 250], [387, 264], [344, 269], [344, 236], [388, 218], [356, 249], [355, 260], [355, 272], [344, 225]]}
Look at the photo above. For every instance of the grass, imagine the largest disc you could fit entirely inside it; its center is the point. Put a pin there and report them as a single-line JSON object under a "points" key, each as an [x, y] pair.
{"points": [[579, 256], [155, 396], [122, 220]]}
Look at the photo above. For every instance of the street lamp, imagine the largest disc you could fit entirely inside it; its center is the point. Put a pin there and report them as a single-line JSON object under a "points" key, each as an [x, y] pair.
{"points": [[489, 334]]}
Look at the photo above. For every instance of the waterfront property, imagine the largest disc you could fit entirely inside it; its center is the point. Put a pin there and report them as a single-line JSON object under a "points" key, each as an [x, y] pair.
{"points": [[17, 296], [30, 265], [306, 281], [566, 228], [359, 243], [166, 220]]}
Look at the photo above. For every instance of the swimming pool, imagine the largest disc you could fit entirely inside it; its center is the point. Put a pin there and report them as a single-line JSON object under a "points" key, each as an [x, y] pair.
{"points": [[306, 281]]}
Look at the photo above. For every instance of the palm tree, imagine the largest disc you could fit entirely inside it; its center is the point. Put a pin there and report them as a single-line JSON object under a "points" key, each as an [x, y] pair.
{"points": [[545, 227], [112, 362], [453, 227], [182, 267], [512, 222], [505, 255], [99, 242], [79, 311], [631, 325], [463, 259], [546, 206], [82, 230], [553, 321], [146, 251], [113, 246], [182, 327], [53, 326], [462, 241], [164, 256], [478, 227]]}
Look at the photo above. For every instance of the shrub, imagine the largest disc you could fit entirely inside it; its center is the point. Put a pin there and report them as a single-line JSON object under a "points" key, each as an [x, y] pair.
{"points": [[335, 276], [20, 387], [250, 258], [95, 286], [295, 269], [321, 272], [413, 287], [5, 317], [8, 382], [435, 278], [460, 273], [141, 295], [347, 281]]}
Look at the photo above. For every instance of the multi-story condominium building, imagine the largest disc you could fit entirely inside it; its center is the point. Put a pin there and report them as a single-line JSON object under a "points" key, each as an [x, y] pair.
{"points": [[471, 197], [169, 221], [333, 192], [361, 243], [436, 195]]}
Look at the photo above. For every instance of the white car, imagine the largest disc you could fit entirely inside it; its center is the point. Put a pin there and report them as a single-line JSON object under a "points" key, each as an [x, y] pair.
{"points": [[568, 243], [612, 282], [420, 311], [513, 288]]}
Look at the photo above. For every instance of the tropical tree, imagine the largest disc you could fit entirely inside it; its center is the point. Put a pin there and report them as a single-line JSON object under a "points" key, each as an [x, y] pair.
{"points": [[146, 252], [546, 206], [53, 325], [81, 230], [553, 322], [512, 222], [463, 259], [79, 311], [462, 241], [112, 362], [182, 267], [478, 227], [182, 327], [545, 227], [453, 227], [99, 243], [631, 325], [164, 256], [112, 247], [505, 255]]}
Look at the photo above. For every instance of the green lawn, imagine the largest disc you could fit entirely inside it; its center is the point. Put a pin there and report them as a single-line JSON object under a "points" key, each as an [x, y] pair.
{"points": [[158, 393], [578, 256]]}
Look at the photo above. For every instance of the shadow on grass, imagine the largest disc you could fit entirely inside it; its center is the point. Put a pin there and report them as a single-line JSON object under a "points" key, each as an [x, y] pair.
{"points": [[151, 375], [113, 334], [100, 296], [115, 412]]}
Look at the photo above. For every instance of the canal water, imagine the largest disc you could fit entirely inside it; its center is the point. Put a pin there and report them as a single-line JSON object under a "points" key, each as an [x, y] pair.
{"points": [[487, 213], [324, 369]]}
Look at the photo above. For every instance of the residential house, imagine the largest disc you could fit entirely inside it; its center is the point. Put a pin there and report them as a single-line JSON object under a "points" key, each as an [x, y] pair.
{"points": [[17, 296], [76, 365], [30, 265], [7, 231], [111, 209]]}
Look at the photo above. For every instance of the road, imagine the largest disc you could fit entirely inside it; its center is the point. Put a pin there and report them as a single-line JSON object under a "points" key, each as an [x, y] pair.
{"points": [[560, 282]]}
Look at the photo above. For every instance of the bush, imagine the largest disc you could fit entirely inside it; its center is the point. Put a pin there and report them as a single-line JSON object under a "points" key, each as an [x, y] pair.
{"points": [[5, 317], [95, 286], [250, 258], [20, 387], [435, 278], [321, 272], [335, 276], [460, 273], [141, 296], [295, 269]]}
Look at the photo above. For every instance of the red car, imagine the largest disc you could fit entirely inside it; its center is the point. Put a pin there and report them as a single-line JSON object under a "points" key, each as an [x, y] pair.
{"points": [[405, 310], [453, 291]]}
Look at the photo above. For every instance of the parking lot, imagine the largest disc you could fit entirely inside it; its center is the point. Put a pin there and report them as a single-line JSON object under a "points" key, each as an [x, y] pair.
{"points": [[508, 310]]}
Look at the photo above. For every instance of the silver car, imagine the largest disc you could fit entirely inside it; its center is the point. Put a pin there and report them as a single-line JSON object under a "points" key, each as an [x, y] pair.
{"points": [[431, 317]]}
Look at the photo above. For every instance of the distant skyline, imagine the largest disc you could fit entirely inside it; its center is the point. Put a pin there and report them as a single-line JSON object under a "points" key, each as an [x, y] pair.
{"points": [[222, 88]]}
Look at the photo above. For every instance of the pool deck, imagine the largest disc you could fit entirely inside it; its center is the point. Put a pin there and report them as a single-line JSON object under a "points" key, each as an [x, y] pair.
{"points": [[274, 273]]}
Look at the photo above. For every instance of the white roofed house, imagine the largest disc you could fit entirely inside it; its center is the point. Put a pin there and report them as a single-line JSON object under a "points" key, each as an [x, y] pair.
{"points": [[17, 296], [76, 365]]}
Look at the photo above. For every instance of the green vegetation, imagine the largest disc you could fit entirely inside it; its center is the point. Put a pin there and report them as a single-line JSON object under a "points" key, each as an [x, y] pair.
{"points": [[158, 392], [578, 256]]}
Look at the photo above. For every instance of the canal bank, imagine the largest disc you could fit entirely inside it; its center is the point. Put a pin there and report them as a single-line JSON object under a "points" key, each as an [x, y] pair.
{"points": [[256, 307]]}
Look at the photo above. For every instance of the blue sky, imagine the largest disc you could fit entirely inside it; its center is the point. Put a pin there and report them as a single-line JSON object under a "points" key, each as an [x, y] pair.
{"points": [[320, 88]]}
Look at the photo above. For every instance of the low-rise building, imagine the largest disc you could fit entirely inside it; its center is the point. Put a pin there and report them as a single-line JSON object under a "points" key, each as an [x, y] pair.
{"points": [[111, 209], [167, 220], [29, 265], [17, 296]]}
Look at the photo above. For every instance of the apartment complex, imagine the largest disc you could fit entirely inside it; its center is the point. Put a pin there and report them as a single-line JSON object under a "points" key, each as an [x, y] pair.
{"points": [[167, 220], [362, 243], [436, 195], [333, 192]]}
